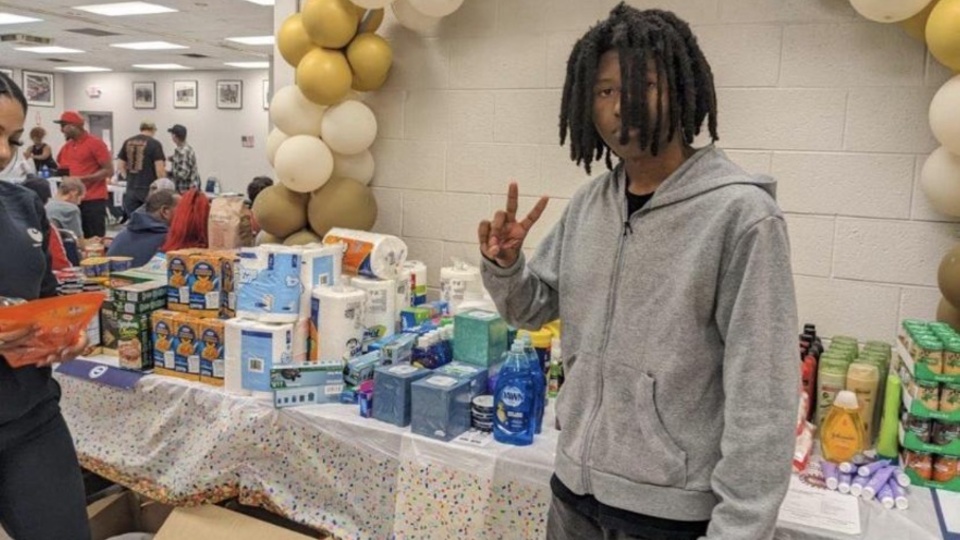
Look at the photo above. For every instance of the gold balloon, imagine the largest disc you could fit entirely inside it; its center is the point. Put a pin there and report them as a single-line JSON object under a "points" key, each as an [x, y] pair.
{"points": [[330, 23], [342, 202], [916, 26], [302, 238], [943, 33], [266, 238], [948, 276], [948, 314], [280, 211], [371, 21], [370, 56], [292, 40], [324, 76]]}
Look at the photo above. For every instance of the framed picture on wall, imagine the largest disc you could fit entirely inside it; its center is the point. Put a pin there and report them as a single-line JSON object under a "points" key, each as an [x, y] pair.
{"points": [[229, 94], [39, 89], [7, 72], [266, 94], [145, 95], [185, 94]]}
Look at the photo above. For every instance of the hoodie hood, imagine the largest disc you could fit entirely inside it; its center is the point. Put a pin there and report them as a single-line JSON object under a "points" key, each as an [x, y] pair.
{"points": [[142, 222], [706, 170]]}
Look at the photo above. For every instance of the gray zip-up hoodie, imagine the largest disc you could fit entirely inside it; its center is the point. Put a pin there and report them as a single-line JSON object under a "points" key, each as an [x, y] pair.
{"points": [[679, 341]]}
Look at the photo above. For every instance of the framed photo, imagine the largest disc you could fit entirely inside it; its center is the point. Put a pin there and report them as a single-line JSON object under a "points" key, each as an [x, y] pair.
{"points": [[266, 94], [229, 94], [7, 72], [185, 94], [144, 95], [38, 87]]}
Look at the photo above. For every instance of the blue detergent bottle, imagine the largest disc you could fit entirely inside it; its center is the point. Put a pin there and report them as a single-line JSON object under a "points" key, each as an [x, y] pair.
{"points": [[534, 365], [515, 400]]}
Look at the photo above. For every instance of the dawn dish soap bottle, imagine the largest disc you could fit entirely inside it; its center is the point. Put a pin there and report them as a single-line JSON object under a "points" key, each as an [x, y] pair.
{"points": [[515, 400], [539, 378]]}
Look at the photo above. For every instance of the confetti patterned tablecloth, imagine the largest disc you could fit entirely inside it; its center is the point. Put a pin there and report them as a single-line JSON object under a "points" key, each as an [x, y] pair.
{"points": [[185, 443]]}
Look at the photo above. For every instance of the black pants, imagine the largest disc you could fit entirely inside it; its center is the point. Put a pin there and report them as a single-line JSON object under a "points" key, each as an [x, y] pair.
{"points": [[41, 487], [565, 522], [93, 216], [133, 199]]}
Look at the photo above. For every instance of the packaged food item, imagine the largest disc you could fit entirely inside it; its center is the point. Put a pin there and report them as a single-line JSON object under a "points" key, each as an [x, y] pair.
{"points": [[945, 433], [945, 468], [921, 427], [951, 356], [930, 354], [921, 463], [950, 398], [928, 393], [59, 321], [179, 268], [205, 284]]}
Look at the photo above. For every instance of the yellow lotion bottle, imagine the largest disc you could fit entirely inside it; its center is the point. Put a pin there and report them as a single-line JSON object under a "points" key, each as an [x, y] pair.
{"points": [[842, 435]]}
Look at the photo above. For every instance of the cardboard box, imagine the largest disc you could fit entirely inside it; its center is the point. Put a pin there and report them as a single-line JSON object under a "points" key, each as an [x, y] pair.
{"points": [[228, 296], [211, 351], [134, 345], [178, 279], [186, 358], [163, 334], [128, 512], [305, 385], [138, 298], [109, 330], [205, 283]]}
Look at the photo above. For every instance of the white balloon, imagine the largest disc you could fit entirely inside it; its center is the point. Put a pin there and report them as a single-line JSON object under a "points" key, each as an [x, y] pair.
{"points": [[436, 8], [359, 167], [274, 140], [294, 114], [349, 127], [372, 4], [940, 181], [889, 11], [409, 17], [945, 115], [303, 163]]}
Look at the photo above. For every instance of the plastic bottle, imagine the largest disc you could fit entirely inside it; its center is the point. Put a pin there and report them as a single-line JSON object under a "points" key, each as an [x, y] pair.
{"points": [[831, 379], [536, 372], [808, 371], [45, 172], [841, 434], [515, 400], [555, 373], [863, 379]]}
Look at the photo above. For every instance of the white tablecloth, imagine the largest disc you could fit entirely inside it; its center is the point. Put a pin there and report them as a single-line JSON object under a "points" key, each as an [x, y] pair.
{"points": [[185, 443]]}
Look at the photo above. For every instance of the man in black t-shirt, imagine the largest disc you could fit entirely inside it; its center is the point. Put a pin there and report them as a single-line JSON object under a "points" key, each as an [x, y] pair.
{"points": [[141, 160]]}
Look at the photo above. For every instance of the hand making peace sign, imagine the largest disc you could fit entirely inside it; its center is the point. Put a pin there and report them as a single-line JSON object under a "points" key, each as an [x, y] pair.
{"points": [[502, 240]]}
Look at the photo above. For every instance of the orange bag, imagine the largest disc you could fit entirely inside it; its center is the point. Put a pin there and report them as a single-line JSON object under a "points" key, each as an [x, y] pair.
{"points": [[59, 320]]}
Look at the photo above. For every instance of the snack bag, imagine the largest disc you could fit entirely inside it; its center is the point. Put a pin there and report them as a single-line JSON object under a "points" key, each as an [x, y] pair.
{"points": [[59, 320]]}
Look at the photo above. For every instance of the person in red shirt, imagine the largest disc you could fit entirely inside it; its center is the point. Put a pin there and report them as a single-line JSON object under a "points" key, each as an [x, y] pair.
{"points": [[87, 159]]}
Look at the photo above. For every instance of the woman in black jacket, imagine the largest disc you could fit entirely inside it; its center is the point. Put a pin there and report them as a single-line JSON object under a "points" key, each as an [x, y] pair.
{"points": [[41, 488]]}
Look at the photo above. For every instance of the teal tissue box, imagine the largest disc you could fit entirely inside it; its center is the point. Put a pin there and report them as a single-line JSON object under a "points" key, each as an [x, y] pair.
{"points": [[479, 338]]}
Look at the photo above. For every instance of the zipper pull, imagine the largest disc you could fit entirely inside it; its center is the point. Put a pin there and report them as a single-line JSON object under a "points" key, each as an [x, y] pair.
{"points": [[627, 228]]}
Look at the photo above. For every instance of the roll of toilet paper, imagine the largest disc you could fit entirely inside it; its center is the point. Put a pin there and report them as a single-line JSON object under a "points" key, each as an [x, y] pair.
{"points": [[369, 254], [232, 370], [263, 346], [337, 317], [268, 284], [418, 281], [404, 292], [456, 281], [320, 265], [379, 307], [299, 350]]}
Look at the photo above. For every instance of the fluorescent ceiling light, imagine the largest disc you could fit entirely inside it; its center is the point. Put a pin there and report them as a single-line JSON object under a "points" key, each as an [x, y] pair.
{"points": [[262, 2], [149, 46], [10, 18], [121, 9], [49, 49], [83, 69], [160, 66], [253, 40], [248, 65]]}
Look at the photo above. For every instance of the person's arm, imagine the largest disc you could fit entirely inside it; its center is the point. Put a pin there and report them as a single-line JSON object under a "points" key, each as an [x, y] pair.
{"points": [[74, 224], [160, 168], [757, 318], [121, 167], [527, 295], [45, 153]]}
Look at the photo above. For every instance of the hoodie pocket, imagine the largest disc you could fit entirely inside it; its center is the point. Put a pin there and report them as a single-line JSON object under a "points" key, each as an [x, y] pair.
{"points": [[631, 441]]}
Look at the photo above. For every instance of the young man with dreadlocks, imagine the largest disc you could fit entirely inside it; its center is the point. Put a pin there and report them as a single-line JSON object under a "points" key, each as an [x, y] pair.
{"points": [[671, 273]]}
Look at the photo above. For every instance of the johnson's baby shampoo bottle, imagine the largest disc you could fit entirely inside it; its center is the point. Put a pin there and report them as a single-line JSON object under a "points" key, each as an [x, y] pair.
{"points": [[842, 435]]}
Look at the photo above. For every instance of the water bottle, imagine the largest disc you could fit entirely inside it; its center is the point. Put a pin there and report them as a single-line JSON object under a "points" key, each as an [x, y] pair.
{"points": [[45, 172], [515, 400]]}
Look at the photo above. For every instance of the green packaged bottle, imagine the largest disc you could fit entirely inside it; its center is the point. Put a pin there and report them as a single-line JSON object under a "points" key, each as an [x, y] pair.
{"points": [[831, 379]]}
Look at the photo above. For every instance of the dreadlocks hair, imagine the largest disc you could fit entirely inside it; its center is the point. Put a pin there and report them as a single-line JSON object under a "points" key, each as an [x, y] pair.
{"points": [[640, 37]]}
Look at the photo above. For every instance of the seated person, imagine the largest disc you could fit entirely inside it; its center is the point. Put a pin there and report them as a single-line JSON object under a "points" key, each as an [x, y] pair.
{"points": [[162, 183], [64, 208], [147, 229], [58, 254], [254, 188]]}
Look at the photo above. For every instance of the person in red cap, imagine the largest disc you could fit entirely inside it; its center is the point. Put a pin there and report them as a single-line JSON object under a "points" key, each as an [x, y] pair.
{"points": [[87, 159]]}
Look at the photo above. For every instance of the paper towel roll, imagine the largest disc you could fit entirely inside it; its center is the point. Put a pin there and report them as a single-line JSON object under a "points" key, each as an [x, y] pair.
{"points": [[379, 307], [337, 315], [418, 281], [404, 292], [456, 281], [320, 265], [232, 370], [263, 346], [268, 284], [301, 340], [369, 254]]}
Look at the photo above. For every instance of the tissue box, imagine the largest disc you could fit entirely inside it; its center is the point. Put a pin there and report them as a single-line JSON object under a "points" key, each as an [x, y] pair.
{"points": [[440, 407], [476, 375], [396, 349], [392, 392], [411, 317], [361, 368], [305, 385], [479, 338], [211, 351]]}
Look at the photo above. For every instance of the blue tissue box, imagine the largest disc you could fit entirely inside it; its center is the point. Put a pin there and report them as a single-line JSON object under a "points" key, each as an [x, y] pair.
{"points": [[440, 407], [360, 368], [476, 375], [392, 392], [479, 338]]}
